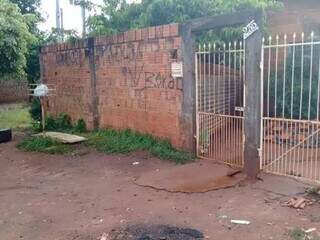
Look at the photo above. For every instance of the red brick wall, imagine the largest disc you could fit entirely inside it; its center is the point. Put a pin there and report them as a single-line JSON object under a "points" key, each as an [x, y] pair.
{"points": [[66, 66], [134, 86], [13, 91]]}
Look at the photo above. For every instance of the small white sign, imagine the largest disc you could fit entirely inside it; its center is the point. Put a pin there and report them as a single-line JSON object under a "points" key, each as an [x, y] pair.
{"points": [[239, 109], [41, 90], [177, 69], [250, 29]]}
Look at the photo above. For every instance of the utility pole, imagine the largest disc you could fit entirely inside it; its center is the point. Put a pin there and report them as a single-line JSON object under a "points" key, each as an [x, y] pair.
{"points": [[61, 24], [83, 15], [58, 20]]}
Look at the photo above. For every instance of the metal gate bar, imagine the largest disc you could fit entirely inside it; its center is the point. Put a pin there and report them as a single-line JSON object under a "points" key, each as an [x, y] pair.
{"points": [[291, 123], [220, 102]]}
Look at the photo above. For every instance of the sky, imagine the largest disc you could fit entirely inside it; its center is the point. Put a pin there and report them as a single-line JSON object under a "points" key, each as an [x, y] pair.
{"points": [[72, 14]]}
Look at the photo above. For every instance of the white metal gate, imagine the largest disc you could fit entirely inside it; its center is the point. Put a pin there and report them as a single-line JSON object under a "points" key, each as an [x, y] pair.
{"points": [[220, 102], [291, 94]]}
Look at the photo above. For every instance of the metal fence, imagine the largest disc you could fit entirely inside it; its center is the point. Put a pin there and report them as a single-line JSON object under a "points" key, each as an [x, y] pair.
{"points": [[291, 124], [219, 81]]}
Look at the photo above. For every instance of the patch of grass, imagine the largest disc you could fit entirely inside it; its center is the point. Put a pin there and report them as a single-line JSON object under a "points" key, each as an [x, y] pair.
{"points": [[15, 116], [44, 145], [127, 141], [300, 234]]}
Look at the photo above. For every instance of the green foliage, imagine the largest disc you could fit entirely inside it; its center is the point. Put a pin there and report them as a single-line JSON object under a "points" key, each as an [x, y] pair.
{"points": [[44, 145], [127, 141], [83, 3], [35, 109], [30, 10], [14, 39], [118, 15], [54, 35], [61, 123], [300, 234], [81, 126], [27, 6], [283, 88], [36, 126]]}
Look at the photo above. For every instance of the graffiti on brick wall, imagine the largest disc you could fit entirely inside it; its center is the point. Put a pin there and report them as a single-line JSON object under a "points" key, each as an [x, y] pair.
{"points": [[132, 51], [69, 58], [161, 81], [137, 77], [136, 66], [128, 51], [132, 75]]}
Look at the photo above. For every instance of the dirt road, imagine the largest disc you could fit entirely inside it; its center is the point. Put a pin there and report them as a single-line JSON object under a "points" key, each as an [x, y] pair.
{"points": [[81, 197]]}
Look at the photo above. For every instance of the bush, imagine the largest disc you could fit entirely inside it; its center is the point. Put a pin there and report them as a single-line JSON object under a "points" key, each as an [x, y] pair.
{"points": [[81, 126], [35, 109], [61, 123]]}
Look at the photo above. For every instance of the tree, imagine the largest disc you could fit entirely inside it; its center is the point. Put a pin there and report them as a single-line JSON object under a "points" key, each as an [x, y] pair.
{"points": [[30, 10], [27, 6], [14, 39], [118, 15], [54, 36]]}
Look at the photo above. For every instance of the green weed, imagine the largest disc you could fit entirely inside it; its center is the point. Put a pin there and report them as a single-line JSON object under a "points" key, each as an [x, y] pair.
{"points": [[80, 127], [300, 234], [60, 123], [127, 141], [44, 145]]}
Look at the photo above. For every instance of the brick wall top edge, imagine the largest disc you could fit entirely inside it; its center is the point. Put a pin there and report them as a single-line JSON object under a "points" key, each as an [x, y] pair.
{"points": [[56, 47], [161, 31]]}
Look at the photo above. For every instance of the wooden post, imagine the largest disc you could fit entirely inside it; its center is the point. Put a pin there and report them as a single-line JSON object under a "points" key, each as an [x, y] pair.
{"points": [[93, 83], [43, 120], [189, 87], [252, 111]]}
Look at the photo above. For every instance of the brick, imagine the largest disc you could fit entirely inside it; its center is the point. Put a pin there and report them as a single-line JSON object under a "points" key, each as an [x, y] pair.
{"points": [[174, 29], [144, 34], [134, 86], [131, 35], [138, 34], [107, 40], [126, 36], [13, 91], [159, 31], [152, 32], [166, 30], [120, 38], [114, 39], [177, 42]]}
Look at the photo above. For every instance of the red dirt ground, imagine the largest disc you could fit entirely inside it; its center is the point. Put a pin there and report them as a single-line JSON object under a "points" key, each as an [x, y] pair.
{"points": [[81, 197]]}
